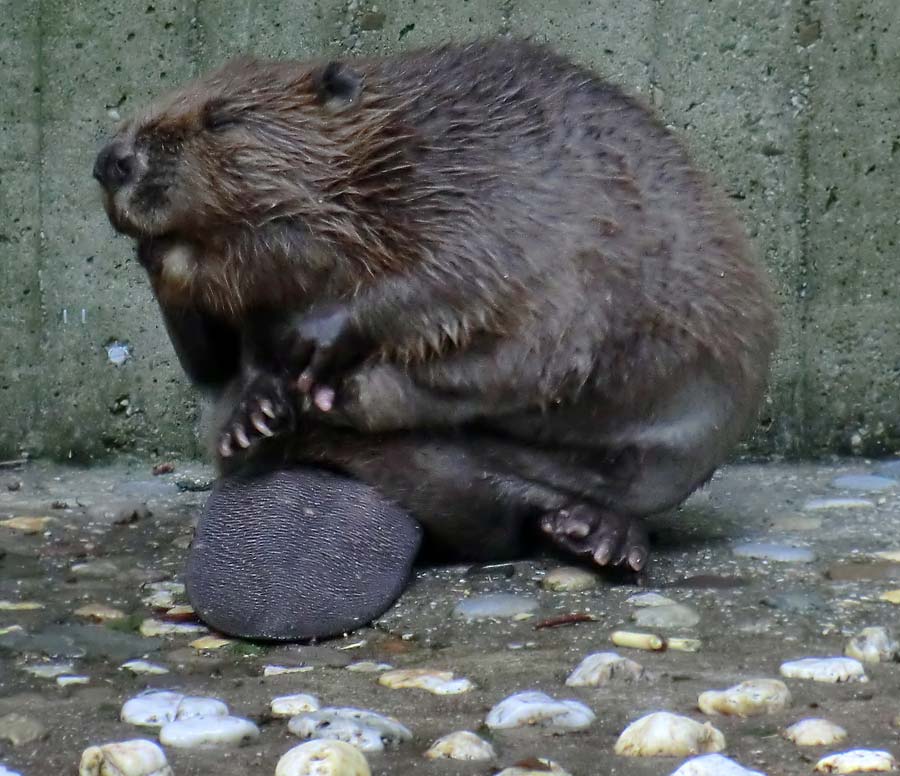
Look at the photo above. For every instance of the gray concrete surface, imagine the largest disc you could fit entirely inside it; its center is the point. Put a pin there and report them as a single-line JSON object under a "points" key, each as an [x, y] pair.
{"points": [[114, 530], [792, 105]]}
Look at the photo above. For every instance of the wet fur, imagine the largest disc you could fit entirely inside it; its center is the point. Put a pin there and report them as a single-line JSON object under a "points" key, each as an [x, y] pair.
{"points": [[564, 309]]}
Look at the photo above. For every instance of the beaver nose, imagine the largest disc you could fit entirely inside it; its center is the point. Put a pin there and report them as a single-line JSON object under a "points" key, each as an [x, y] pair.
{"points": [[114, 166]]}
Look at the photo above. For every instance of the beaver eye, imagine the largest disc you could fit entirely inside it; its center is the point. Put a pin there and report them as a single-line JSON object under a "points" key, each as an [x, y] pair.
{"points": [[217, 117]]}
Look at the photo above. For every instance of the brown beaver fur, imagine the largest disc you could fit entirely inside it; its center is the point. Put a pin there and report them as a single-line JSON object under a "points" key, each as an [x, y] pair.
{"points": [[548, 292]]}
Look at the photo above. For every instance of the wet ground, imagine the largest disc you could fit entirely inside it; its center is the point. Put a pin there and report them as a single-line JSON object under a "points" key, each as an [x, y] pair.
{"points": [[111, 533]]}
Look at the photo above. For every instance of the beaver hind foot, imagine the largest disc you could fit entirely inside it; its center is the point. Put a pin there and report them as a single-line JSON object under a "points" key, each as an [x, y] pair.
{"points": [[606, 537], [298, 554]]}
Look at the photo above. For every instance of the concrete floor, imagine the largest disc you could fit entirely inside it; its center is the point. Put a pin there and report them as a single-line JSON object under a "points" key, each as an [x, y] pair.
{"points": [[132, 528]]}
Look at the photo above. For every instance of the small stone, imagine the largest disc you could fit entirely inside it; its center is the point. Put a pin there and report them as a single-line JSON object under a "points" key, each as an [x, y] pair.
{"points": [[649, 599], [747, 699], [815, 732], [495, 605], [649, 642], [873, 645], [292, 705], [667, 616], [140, 667], [891, 596], [569, 579], [271, 670], [95, 569], [20, 729], [602, 668], [207, 732], [151, 627], [210, 643], [797, 523], [818, 504], [797, 601], [536, 708], [20, 606], [462, 745], [49, 670], [4, 771], [892, 555], [72, 680], [781, 553], [323, 758], [11, 629], [714, 765], [857, 761], [369, 667], [871, 483], [157, 708], [536, 766], [366, 730], [825, 669], [668, 735], [99, 613], [165, 467], [436, 682], [27, 525], [126, 758]]}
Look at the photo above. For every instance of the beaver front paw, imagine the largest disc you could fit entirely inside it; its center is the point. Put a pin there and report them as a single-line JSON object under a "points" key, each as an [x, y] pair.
{"points": [[265, 409], [323, 346]]}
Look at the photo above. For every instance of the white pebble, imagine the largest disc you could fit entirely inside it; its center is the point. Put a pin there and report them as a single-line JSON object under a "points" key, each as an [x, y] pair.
{"points": [[436, 682], [71, 680], [825, 669], [365, 730], [569, 579], [143, 667], [462, 745], [780, 553], [815, 732], [495, 605], [668, 735], [602, 668], [713, 765], [152, 628], [817, 504], [873, 645], [291, 705], [369, 667], [156, 708], [543, 768], [4, 771], [747, 699], [649, 599], [279, 670], [666, 616], [125, 758], [537, 708], [857, 761], [49, 670], [207, 732], [323, 758]]}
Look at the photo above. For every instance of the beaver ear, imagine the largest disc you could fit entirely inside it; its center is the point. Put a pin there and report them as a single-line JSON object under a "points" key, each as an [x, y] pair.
{"points": [[337, 85]]}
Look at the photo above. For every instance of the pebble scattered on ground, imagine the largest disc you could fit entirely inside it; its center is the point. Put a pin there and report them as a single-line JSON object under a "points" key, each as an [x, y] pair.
{"points": [[663, 734], [768, 566]]}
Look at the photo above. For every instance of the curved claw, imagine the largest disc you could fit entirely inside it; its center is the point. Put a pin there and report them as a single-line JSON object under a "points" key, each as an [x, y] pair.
{"points": [[225, 449], [240, 436], [259, 423]]}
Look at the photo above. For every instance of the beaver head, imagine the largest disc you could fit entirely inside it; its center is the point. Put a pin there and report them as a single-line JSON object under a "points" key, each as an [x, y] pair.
{"points": [[257, 162], [245, 145]]}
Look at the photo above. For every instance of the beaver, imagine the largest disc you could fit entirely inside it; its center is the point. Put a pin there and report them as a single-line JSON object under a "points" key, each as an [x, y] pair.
{"points": [[478, 278]]}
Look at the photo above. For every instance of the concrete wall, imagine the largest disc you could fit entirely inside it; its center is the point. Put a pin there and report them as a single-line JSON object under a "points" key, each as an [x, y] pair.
{"points": [[793, 104]]}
